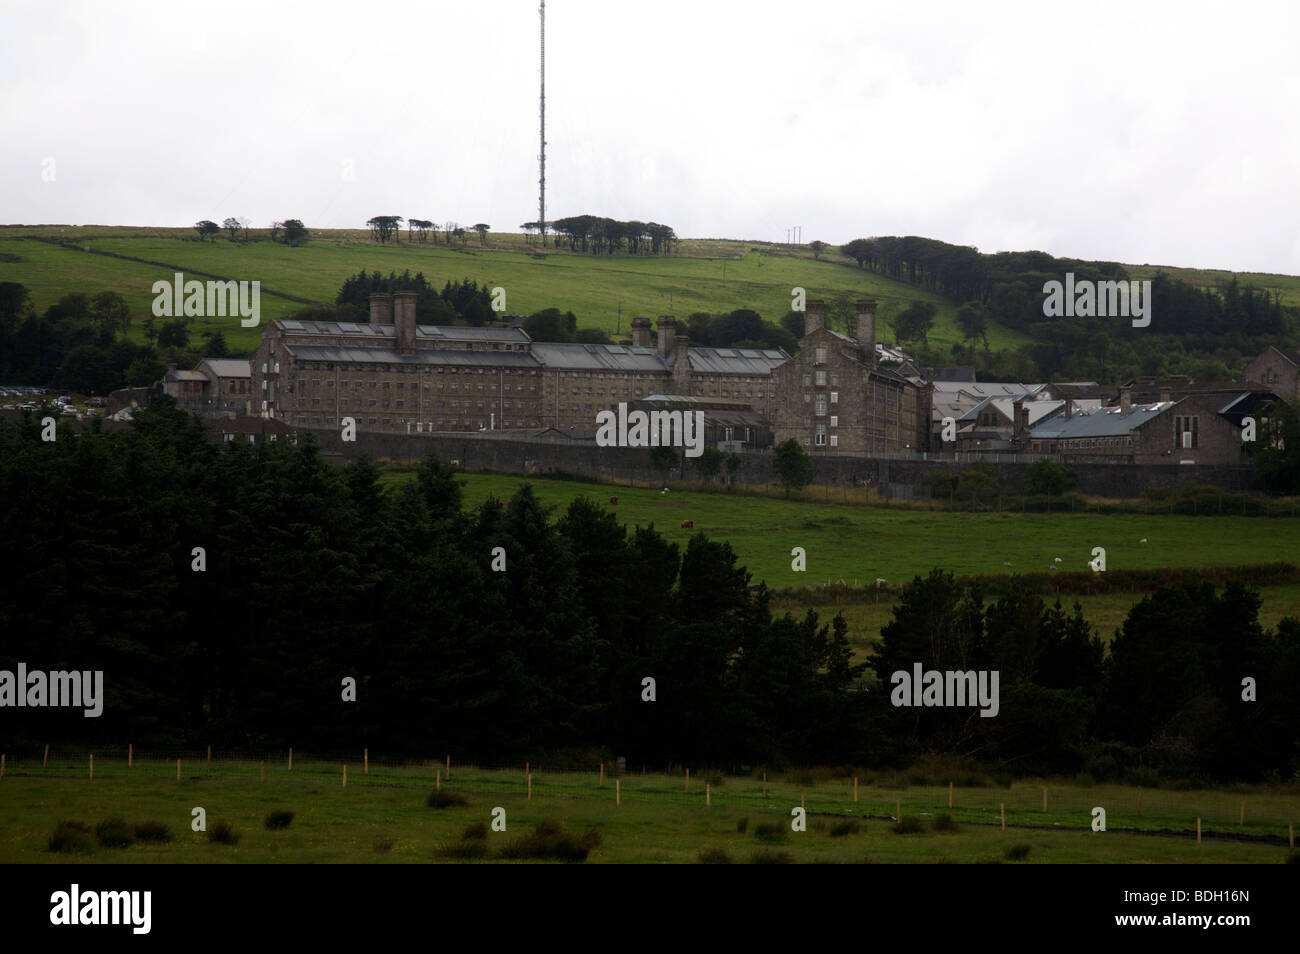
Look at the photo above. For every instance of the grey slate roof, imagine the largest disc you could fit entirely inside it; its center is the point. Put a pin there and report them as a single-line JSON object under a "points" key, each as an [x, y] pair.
{"points": [[448, 332], [422, 358], [1106, 422], [229, 367], [597, 357]]}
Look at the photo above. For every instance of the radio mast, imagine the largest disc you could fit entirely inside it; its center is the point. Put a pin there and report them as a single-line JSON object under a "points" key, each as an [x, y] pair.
{"points": [[541, 158]]}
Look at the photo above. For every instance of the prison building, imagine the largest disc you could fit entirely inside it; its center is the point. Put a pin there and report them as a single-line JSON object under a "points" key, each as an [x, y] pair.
{"points": [[396, 375], [837, 396]]}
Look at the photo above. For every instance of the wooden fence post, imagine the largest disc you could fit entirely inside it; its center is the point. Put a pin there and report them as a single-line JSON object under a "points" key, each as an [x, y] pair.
{"points": [[291, 758], [1004, 816], [438, 781], [855, 788], [92, 766], [365, 765], [130, 754], [46, 760], [1198, 831], [345, 775], [618, 794], [449, 767], [530, 785], [178, 770], [950, 794], [707, 801]]}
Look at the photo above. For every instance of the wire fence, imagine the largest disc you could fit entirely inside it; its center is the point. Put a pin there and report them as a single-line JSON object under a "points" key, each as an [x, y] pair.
{"points": [[1253, 813]]}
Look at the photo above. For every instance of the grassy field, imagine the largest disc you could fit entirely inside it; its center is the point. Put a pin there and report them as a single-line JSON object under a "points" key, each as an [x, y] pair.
{"points": [[865, 543], [758, 275], [383, 816], [1105, 611]]}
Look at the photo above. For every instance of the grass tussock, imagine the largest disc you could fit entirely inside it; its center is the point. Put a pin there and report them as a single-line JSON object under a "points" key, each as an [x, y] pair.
{"points": [[223, 833], [742, 825], [1018, 852], [769, 831], [276, 821], [714, 856], [550, 841], [115, 833], [383, 845], [154, 832], [770, 856], [478, 830], [446, 798], [945, 822], [908, 825], [472, 850], [848, 827], [71, 837]]}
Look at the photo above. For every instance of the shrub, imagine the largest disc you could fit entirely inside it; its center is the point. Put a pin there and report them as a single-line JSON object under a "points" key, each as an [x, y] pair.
{"points": [[278, 820], [549, 840], [908, 825], [115, 833], [850, 827], [770, 856], [71, 836], [383, 845], [714, 856], [222, 833], [769, 831], [446, 798], [464, 850], [477, 830], [742, 824], [154, 831], [945, 822], [1019, 851]]}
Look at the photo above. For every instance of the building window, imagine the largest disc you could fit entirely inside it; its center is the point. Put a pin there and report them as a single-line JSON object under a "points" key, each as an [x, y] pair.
{"points": [[821, 379], [835, 421], [821, 356], [835, 397], [835, 440], [821, 435], [820, 406]]}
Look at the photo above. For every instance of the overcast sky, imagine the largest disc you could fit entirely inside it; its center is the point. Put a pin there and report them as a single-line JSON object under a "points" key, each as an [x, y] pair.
{"points": [[1137, 132]]}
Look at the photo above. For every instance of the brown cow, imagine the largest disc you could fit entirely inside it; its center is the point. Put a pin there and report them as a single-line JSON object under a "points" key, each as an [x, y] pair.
{"points": [[688, 524], [613, 500]]}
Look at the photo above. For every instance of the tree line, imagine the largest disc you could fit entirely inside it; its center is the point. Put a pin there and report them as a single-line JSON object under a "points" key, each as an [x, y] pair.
{"points": [[80, 342], [504, 630], [598, 234]]}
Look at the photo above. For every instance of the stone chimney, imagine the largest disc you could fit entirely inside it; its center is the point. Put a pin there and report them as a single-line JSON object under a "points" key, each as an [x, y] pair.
{"points": [[667, 335], [381, 308], [1069, 407], [867, 329], [1019, 418], [1164, 394], [1125, 399], [640, 332], [404, 319], [682, 366], [814, 316]]}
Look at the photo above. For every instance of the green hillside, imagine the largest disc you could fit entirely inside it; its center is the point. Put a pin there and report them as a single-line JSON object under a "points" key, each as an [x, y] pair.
{"points": [[758, 275]]}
